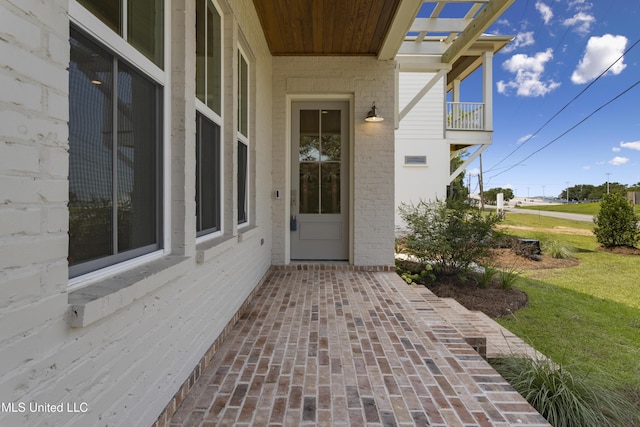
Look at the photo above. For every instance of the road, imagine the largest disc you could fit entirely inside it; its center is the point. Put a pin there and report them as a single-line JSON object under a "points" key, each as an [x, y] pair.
{"points": [[565, 215]]}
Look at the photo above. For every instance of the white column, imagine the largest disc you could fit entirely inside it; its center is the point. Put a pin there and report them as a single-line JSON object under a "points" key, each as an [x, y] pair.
{"points": [[487, 89]]}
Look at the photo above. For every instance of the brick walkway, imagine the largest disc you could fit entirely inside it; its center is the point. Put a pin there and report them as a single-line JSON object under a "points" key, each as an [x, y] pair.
{"points": [[338, 348]]}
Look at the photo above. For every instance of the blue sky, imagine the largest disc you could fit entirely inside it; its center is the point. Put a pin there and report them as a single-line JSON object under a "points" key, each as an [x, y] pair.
{"points": [[560, 47]]}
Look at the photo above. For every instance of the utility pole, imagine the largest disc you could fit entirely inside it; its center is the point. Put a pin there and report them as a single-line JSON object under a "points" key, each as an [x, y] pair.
{"points": [[481, 186], [608, 173], [567, 191]]}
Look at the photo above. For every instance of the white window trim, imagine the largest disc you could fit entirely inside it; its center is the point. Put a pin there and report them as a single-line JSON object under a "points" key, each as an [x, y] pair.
{"points": [[102, 34], [204, 109], [93, 26]]}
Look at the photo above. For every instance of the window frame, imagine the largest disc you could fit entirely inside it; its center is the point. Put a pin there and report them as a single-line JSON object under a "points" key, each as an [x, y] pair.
{"points": [[242, 138], [207, 112], [100, 33], [124, 30], [205, 234]]}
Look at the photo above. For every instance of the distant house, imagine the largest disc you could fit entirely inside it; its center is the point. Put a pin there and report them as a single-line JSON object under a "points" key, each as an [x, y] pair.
{"points": [[159, 157]]}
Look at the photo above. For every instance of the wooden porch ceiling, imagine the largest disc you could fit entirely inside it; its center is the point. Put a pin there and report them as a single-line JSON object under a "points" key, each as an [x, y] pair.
{"points": [[428, 32], [326, 27]]}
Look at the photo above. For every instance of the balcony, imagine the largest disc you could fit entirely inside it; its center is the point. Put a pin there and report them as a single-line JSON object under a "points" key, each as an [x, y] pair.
{"points": [[466, 116]]}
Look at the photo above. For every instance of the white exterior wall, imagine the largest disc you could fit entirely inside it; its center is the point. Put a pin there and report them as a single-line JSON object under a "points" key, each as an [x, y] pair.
{"points": [[140, 344], [364, 81], [421, 133]]}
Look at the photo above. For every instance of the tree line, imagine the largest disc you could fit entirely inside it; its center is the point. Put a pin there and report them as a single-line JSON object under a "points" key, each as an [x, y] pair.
{"points": [[585, 192], [577, 193]]}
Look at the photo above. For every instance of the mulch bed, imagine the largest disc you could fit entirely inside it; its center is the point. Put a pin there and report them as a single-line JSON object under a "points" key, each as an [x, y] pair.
{"points": [[493, 300]]}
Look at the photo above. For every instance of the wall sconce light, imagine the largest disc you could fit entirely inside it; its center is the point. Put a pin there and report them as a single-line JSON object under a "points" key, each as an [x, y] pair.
{"points": [[372, 115]]}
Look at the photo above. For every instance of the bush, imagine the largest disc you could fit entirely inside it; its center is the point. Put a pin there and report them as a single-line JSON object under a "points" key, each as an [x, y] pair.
{"points": [[564, 399], [616, 224], [556, 249], [508, 277], [448, 238]]}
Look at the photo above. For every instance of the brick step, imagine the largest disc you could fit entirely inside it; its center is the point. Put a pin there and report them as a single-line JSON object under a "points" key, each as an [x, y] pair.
{"points": [[476, 327]]}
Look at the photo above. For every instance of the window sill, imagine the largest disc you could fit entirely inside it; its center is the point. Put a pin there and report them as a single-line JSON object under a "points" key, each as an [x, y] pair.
{"points": [[212, 248], [100, 300], [247, 232]]}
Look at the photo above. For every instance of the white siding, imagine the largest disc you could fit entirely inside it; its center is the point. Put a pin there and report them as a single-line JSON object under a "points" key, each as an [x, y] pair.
{"points": [[421, 133]]}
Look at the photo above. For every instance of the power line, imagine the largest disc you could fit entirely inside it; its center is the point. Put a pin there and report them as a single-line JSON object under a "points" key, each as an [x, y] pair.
{"points": [[571, 128], [531, 136]]}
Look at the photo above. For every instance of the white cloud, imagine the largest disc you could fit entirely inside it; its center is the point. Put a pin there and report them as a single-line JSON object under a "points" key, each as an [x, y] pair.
{"points": [[616, 149], [525, 138], [581, 21], [528, 75], [545, 11], [521, 40], [599, 54], [473, 172], [580, 5], [617, 161], [631, 145], [600, 163], [587, 168]]}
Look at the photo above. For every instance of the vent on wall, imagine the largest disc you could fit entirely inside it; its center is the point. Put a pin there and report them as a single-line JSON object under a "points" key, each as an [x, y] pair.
{"points": [[415, 160]]}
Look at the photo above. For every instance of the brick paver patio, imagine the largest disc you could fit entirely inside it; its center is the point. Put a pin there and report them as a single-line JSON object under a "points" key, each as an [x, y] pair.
{"points": [[338, 348]]}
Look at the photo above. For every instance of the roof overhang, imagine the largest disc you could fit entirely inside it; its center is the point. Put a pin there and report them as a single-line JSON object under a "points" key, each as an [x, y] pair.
{"points": [[444, 29]]}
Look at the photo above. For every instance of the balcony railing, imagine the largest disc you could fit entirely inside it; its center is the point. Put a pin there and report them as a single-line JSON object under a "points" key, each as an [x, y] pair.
{"points": [[465, 116]]}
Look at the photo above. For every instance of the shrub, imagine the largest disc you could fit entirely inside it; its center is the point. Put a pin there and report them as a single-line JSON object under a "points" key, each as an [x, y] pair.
{"points": [[564, 399], [508, 277], [449, 238], [487, 275], [616, 224], [557, 249]]}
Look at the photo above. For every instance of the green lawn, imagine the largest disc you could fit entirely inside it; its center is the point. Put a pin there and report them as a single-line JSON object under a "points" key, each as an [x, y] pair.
{"points": [[547, 222], [579, 208], [586, 316]]}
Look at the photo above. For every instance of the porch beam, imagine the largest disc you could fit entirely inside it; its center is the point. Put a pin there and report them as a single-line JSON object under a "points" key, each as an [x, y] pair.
{"points": [[439, 25], [440, 74], [406, 13], [485, 18], [421, 63], [420, 47]]}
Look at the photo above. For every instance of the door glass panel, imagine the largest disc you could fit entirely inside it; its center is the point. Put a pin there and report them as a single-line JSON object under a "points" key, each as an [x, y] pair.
{"points": [[330, 179], [319, 156], [309, 188], [309, 136], [309, 148], [331, 147]]}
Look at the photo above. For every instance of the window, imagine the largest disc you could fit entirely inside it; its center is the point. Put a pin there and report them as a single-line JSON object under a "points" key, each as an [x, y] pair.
{"points": [[243, 139], [207, 175], [115, 158], [208, 118], [140, 22], [415, 160], [208, 55]]}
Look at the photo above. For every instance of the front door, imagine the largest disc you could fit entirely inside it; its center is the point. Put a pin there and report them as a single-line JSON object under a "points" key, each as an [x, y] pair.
{"points": [[319, 181]]}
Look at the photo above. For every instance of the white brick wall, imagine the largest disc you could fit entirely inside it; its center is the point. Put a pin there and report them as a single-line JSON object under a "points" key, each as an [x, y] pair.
{"points": [[368, 81], [129, 364]]}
